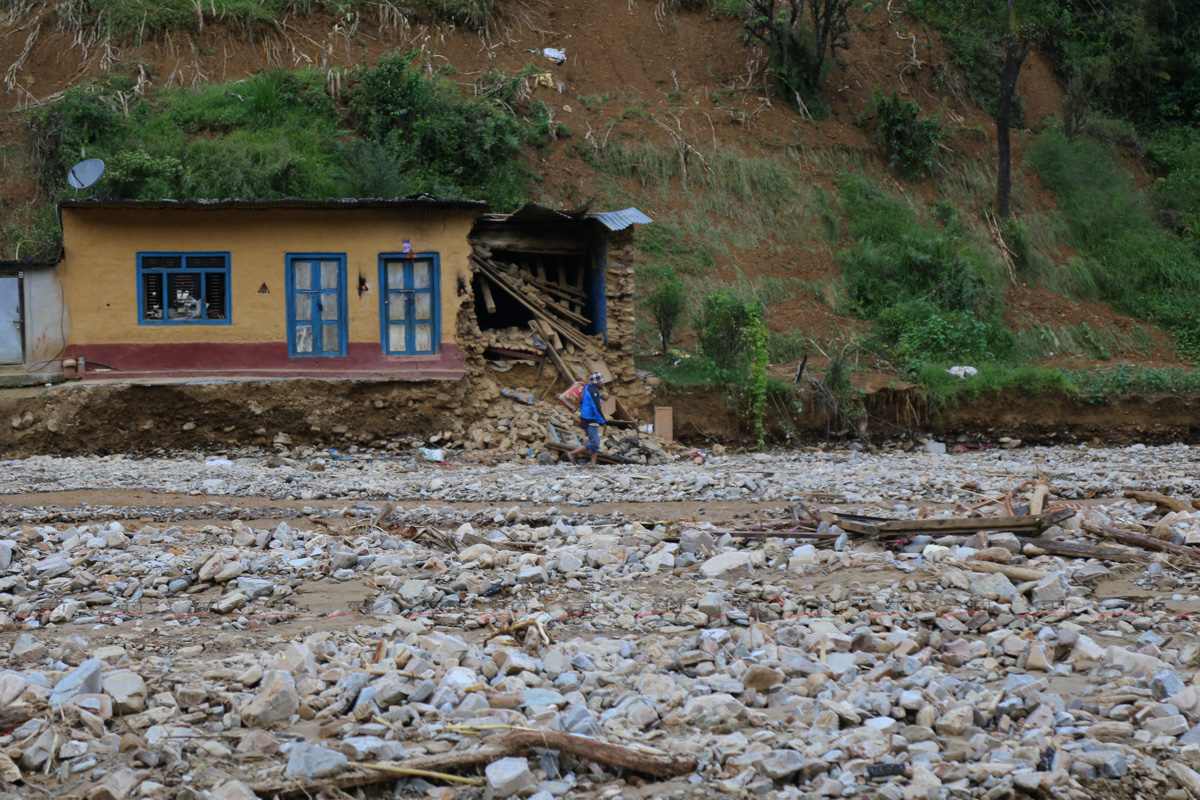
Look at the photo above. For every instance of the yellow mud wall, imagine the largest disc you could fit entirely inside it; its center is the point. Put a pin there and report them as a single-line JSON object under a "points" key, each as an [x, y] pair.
{"points": [[99, 266]]}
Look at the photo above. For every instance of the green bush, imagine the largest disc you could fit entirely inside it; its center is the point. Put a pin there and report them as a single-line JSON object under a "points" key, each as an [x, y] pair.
{"points": [[898, 260], [908, 141], [722, 317], [666, 300], [447, 145], [918, 332]]}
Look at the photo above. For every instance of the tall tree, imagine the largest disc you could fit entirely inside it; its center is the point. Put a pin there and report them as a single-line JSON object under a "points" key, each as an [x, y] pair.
{"points": [[1016, 47]]}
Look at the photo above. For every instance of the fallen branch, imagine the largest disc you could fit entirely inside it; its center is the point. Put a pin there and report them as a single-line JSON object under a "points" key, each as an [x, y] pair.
{"points": [[1140, 540], [520, 742], [1164, 503], [1081, 550]]}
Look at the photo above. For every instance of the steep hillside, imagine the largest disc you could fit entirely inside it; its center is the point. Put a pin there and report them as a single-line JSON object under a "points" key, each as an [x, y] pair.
{"points": [[657, 106]]}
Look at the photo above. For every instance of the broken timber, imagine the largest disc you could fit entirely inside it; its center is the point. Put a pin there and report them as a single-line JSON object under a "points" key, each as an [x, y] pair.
{"points": [[895, 528], [1141, 540], [517, 742], [543, 309]]}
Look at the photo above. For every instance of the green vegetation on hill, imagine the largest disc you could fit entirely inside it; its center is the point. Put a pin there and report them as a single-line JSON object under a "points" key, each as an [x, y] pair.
{"points": [[280, 134], [1126, 259], [138, 19]]}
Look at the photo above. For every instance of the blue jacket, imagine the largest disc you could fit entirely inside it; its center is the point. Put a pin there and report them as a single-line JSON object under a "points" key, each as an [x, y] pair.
{"points": [[589, 406]]}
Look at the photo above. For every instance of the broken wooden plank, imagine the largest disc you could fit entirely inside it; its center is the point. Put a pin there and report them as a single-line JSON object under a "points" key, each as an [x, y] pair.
{"points": [[485, 289], [885, 528], [1141, 540], [559, 364], [568, 332], [1038, 501]]}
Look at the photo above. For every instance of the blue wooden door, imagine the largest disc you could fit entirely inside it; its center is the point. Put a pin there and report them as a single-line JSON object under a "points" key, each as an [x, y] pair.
{"points": [[410, 305], [316, 290]]}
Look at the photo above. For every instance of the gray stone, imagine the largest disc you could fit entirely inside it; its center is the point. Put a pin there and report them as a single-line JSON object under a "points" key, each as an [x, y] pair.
{"points": [[542, 697], [696, 543], [84, 679], [312, 761], [729, 566], [935, 448], [1165, 684], [778, 764], [1050, 590], [26, 650], [275, 702], [1174, 725], [569, 562], [991, 585], [255, 588], [712, 605], [509, 777], [127, 690]]}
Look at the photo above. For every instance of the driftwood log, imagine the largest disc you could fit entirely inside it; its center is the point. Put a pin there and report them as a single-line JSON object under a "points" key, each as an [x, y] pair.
{"points": [[1165, 504], [1141, 540], [1083, 550], [515, 743]]}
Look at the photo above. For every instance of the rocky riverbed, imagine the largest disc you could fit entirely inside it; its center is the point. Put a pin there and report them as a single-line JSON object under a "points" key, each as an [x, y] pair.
{"points": [[270, 624]]}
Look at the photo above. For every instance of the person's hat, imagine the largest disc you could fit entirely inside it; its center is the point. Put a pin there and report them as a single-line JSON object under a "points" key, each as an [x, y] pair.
{"points": [[596, 378]]}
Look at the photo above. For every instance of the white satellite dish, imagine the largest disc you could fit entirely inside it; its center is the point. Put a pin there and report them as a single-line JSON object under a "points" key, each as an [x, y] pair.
{"points": [[85, 174]]}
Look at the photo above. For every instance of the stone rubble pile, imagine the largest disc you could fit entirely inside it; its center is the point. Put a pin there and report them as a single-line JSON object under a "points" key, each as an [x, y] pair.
{"points": [[890, 479], [221, 660]]}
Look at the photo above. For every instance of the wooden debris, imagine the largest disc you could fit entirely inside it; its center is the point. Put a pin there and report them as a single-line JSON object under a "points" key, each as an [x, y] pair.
{"points": [[520, 547], [1038, 501], [1164, 504], [894, 528], [1141, 540], [654, 764], [1084, 550]]}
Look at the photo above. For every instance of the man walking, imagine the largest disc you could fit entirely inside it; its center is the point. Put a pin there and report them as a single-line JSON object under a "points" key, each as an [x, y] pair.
{"points": [[591, 418]]}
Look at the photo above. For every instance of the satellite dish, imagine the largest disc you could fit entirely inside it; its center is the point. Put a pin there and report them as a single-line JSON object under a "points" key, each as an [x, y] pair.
{"points": [[85, 174]]}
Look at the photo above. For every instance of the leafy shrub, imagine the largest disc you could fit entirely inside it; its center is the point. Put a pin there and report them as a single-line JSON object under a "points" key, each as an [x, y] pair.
{"points": [[898, 260], [919, 332], [719, 324], [908, 141], [667, 300], [447, 145]]}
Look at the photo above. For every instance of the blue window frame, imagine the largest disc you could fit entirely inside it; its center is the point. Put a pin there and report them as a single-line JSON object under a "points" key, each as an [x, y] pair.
{"points": [[409, 303], [316, 304], [183, 288]]}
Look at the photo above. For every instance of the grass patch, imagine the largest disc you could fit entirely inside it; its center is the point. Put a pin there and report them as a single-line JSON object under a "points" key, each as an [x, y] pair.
{"points": [[137, 19], [1126, 258], [1040, 341]]}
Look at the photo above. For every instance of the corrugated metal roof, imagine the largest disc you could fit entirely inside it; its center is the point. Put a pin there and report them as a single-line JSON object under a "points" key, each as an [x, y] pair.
{"points": [[613, 220], [415, 201], [620, 220]]}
